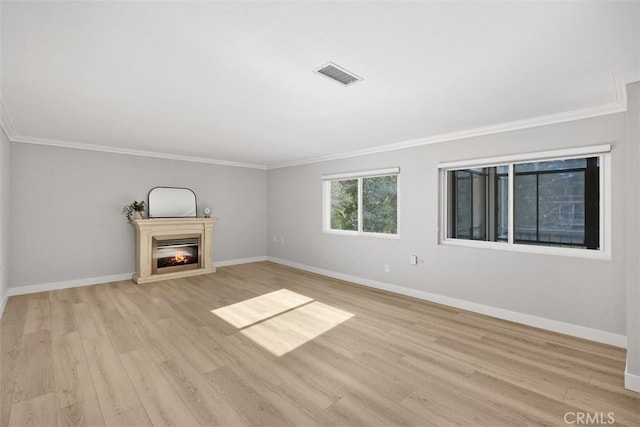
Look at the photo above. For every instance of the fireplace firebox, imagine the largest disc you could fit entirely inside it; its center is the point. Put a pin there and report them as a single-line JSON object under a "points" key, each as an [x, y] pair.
{"points": [[175, 254]]}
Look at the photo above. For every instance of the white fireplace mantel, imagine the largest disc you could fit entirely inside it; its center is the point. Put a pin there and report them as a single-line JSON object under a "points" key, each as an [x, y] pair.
{"points": [[167, 228]]}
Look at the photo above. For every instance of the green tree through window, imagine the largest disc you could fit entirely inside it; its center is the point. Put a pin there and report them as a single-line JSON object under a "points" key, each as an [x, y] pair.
{"points": [[344, 205], [379, 198], [380, 204]]}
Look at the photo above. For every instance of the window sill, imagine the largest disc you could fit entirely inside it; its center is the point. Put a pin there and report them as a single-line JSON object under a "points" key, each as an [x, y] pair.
{"points": [[532, 249], [362, 234]]}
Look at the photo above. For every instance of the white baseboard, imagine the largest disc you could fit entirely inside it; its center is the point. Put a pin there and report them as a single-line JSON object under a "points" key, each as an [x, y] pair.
{"points": [[525, 319], [631, 381], [53, 286], [3, 303], [239, 261]]}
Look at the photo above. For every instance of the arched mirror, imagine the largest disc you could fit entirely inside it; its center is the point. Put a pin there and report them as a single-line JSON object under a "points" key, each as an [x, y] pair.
{"points": [[170, 202]]}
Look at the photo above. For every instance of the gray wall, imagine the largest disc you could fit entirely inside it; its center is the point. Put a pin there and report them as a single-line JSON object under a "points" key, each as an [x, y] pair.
{"points": [[5, 149], [633, 230], [66, 210], [578, 291]]}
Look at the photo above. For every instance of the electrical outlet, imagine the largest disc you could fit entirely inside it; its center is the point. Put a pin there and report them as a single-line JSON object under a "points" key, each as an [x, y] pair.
{"points": [[386, 268], [414, 260]]}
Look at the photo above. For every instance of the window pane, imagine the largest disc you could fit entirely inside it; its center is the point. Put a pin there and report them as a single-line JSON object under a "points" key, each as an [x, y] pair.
{"points": [[344, 205], [379, 204], [526, 210], [462, 181], [561, 204], [479, 207], [478, 204], [502, 208], [552, 165], [551, 203]]}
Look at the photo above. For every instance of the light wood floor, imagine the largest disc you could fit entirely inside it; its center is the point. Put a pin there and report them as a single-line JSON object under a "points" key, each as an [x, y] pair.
{"points": [[121, 354]]}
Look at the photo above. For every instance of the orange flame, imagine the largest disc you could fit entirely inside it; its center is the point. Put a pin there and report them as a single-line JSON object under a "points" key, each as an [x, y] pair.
{"points": [[180, 258]]}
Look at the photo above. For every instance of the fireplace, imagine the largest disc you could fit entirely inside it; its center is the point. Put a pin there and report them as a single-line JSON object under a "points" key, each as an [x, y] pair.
{"points": [[175, 254], [168, 248]]}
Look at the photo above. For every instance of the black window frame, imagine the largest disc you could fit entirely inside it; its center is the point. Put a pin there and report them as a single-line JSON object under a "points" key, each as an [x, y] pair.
{"points": [[591, 172], [592, 201], [491, 208]]}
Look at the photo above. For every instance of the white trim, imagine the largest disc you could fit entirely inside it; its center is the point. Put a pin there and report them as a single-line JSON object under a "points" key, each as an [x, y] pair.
{"points": [[9, 130], [239, 261], [533, 249], [5, 121], [454, 136], [140, 153], [3, 303], [326, 201], [359, 176], [605, 211], [620, 80], [525, 319], [362, 234], [631, 381], [362, 174], [566, 153], [54, 286], [585, 113]]}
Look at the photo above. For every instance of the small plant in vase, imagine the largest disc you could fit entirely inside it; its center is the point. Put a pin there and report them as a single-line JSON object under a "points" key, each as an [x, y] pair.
{"points": [[134, 210]]}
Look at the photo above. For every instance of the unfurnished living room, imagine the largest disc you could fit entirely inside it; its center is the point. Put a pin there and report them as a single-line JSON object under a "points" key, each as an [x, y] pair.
{"points": [[310, 213]]}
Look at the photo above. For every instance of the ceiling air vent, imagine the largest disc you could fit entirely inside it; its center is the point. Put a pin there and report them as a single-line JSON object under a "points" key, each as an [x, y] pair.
{"points": [[338, 74]]}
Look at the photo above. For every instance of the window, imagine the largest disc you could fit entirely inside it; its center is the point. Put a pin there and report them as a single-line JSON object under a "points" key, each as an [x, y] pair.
{"points": [[362, 203], [524, 202]]}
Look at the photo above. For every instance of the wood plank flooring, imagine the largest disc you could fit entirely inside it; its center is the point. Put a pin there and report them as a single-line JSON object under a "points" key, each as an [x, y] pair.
{"points": [[121, 354]]}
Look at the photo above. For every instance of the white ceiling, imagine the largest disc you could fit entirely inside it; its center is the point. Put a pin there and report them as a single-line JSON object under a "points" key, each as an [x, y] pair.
{"points": [[235, 82]]}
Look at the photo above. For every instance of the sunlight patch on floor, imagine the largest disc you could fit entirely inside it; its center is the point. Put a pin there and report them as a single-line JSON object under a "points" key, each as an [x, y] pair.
{"points": [[248, 312], [281, 334], [283, 320]]}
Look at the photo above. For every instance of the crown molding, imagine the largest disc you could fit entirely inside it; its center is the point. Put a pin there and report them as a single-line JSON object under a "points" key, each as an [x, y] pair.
{"points": [[568, 116], [140, 153], [453, 136], [5, 121], [620, 81], [9, 130]]}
